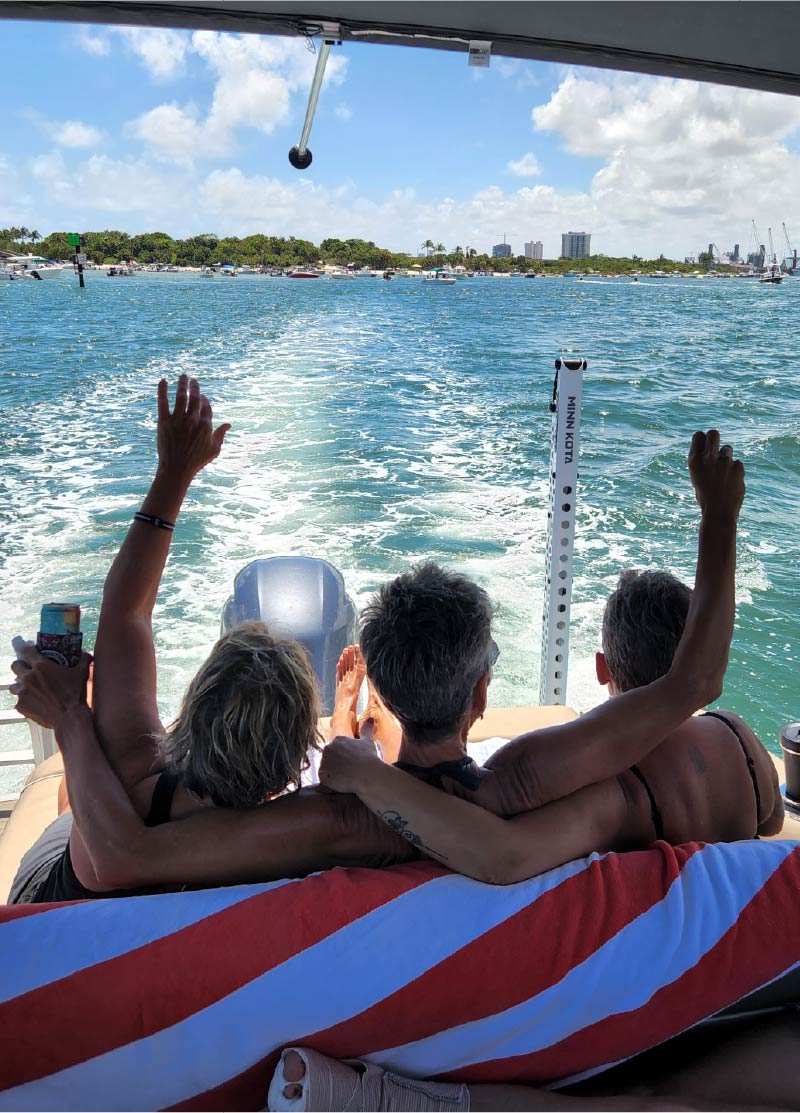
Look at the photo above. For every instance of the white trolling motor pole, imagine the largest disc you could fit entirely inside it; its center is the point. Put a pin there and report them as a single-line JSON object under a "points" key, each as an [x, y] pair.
{"points": [[564, 447]]}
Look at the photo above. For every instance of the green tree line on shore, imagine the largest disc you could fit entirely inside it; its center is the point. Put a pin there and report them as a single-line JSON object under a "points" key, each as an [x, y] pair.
{"points": [[112, 246]]}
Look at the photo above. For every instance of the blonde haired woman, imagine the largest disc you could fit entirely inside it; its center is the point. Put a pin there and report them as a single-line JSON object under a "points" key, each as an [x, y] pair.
{"points": [[249, 717]]}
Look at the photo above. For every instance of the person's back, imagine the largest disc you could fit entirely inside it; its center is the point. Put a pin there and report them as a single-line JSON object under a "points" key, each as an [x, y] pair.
{"points": [[704, 786], [711, 780], [700, 783]]}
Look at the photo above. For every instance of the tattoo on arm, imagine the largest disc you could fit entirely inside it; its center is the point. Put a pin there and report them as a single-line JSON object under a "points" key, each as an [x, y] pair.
{"points": [[396, 823]]}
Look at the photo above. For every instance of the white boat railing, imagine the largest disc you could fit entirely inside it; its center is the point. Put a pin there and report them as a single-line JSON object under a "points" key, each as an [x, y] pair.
{"points": [[43, 741], [564, 449]]}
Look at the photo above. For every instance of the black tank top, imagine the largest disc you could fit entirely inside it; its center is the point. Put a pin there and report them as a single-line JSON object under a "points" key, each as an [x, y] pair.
{"points": [[61, 884]]}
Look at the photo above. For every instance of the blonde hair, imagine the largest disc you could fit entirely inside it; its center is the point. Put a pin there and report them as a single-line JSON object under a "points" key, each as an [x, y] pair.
{"points": [[247, 721]]}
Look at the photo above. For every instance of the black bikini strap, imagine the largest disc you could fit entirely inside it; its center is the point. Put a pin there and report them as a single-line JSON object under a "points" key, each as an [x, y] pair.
{"points": [[655, 812], [751, 765], [161, 803]]}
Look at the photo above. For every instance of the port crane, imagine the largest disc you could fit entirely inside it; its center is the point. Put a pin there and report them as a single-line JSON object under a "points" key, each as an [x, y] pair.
{"points": [[791, 253]]}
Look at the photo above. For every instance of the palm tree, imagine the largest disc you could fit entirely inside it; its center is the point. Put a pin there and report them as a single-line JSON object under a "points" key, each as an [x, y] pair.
{"points": [[458, 251], [471, 252], [439, 249], [34, 237], [427, 246]]}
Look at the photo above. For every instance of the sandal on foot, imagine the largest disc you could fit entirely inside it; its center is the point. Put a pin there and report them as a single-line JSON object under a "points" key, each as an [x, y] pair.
{"points": [[350, 1086]]}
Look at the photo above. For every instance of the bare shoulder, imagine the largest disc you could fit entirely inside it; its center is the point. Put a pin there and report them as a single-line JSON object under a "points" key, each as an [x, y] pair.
{"points": [[720, 724]]}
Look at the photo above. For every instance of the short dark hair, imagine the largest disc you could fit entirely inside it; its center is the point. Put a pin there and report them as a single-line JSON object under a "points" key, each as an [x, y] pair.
{"points": [[642, 625], [426, 639]]}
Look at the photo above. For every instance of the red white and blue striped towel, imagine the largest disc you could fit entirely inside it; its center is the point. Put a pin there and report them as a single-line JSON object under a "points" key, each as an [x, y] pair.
{"points": [[183, 1000]]}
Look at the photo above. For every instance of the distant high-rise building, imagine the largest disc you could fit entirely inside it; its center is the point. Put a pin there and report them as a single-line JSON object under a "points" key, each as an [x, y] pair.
{"points": [[575, 245], [502, 250], [534, 249], [711, 250], [735, 256]]}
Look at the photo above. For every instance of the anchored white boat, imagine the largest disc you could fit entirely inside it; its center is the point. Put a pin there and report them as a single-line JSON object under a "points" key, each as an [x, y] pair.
{"points": [[439, 277], [34, 267]]}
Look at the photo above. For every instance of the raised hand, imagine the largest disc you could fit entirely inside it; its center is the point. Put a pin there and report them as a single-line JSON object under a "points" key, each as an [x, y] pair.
{"points": [[45, 691], [718, 479], [187, 440], [346, 760]]}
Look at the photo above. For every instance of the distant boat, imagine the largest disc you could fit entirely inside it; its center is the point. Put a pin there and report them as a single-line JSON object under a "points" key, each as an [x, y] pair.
{"points": [[228, 271], [120, 272], [439, 277], [340, 273], [388, 275], [29, 266], [207, 272], [771, 274], [304, 272]]}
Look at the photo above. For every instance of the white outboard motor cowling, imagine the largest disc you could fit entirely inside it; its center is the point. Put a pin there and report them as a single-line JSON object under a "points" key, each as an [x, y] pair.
{"points": [[298, 597]]}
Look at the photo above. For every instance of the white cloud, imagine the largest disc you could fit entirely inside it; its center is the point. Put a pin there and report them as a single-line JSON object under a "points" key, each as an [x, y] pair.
{"points": [[255, 82], [65, 133], [98, 45], [526, 167], [173, 134], [72, 133], [161, 51], [131, 193], [237, 203], [523, 74], [16, 200], [683, 161], [255, 98], [343, 111]]}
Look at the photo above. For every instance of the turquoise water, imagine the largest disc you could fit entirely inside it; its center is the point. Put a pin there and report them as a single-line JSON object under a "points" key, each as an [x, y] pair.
{"points": [[375, 423]]}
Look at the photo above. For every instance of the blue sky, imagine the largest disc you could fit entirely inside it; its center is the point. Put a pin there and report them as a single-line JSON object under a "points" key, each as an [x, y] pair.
{"points": [[142, 129]]}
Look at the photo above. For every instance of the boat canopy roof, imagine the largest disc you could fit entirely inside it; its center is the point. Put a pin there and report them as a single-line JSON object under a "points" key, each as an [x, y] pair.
{"points": [[747, 44]]}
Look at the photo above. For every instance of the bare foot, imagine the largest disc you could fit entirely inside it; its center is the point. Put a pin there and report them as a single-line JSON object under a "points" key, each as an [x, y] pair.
{"points": [[387, 730], [294, 1069], [350, 673]]}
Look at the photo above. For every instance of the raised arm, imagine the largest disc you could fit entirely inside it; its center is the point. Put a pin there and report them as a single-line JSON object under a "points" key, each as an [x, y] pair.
{"points": [[548, 764], [124, 696]]}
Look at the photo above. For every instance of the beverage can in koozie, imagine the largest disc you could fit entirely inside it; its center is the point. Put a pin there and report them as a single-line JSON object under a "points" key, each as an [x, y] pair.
{"points": [[60, 636]]}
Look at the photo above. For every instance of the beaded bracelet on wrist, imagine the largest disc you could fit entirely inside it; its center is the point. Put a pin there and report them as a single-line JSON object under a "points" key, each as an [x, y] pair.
{"points": [[153, 520]]}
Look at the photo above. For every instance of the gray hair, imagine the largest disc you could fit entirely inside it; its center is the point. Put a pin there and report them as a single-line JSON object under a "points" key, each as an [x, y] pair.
{"points": [[642, 625], [426, 639], [247, 721]]}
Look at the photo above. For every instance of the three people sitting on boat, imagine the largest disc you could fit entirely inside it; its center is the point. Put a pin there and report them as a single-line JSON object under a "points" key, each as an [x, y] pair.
{"points": [[636, 768]]}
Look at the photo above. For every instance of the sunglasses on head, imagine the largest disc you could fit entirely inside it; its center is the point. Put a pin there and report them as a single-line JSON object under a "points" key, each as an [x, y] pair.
{"points": [[494, 652]]}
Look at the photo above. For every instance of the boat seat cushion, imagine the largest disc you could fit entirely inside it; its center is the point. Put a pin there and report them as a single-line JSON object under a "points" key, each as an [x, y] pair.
{"points": [[36, 807], [183, 1000]]}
